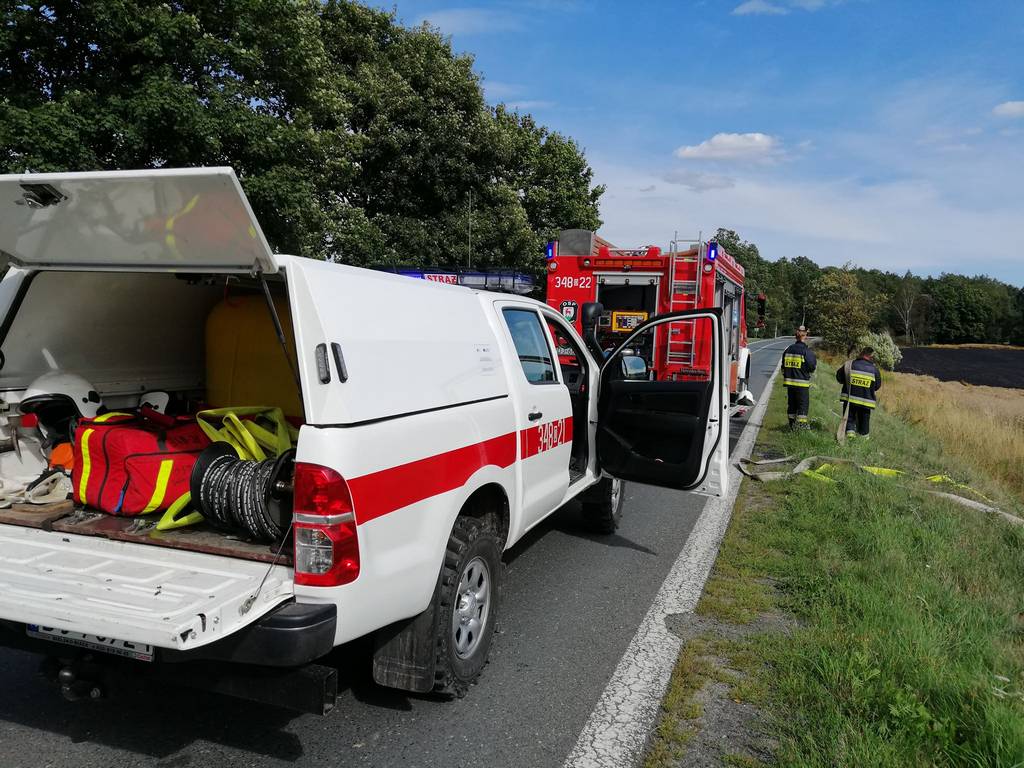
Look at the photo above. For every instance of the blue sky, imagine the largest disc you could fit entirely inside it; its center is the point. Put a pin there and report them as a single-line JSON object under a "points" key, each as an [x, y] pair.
{"points": [[888, 133]]}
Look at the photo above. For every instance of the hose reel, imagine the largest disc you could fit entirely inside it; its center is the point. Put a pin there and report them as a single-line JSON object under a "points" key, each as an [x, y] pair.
{"points": [[236, 494]]}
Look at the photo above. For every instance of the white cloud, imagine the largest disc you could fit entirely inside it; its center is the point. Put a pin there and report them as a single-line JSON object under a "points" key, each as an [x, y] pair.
{"points": [[758, 147], [528, 104], [472, 21], [1009, 109], [780, 7], [498, 89], [698, 181], [759, 7], [893, 226]]}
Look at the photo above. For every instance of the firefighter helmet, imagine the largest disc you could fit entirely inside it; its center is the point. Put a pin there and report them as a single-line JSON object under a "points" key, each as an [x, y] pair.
{"points": [[57, 398]]}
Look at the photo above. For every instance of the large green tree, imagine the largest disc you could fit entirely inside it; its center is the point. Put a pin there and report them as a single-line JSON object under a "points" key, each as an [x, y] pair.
{"points": [[355, 138], [839, 308]]}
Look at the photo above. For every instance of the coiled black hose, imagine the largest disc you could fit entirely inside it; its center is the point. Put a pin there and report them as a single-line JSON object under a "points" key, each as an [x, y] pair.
{"points": [[237, 495]]}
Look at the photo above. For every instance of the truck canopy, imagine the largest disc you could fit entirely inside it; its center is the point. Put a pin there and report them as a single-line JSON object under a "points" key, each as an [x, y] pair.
{"points": [[179, 220]]}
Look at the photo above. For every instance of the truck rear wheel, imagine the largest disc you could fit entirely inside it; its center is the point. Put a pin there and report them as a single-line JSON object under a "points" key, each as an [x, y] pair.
{"points": [[602, 505], [467, 595]]}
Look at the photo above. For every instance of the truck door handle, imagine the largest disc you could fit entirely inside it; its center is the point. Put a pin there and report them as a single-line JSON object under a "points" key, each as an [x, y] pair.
{"points": [[534, 415]]}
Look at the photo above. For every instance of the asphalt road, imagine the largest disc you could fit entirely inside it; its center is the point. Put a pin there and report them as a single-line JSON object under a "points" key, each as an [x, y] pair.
{"points": [[572, 602]]}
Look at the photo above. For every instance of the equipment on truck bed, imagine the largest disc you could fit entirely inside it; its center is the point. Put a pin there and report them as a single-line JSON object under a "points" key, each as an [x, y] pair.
{"points": [[56, 399], [127, 464]]}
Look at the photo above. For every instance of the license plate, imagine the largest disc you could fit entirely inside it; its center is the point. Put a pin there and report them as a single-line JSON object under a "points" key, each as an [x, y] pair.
{"points": [[137, 651]]}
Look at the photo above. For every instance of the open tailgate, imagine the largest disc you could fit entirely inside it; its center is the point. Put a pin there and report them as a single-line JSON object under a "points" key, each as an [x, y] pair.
{"points": [[177, 220], [166, 598]]}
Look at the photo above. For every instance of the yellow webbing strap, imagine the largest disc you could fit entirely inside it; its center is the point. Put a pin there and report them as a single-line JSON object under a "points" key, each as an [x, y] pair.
{"points": [[170, 519], [249, 438]]}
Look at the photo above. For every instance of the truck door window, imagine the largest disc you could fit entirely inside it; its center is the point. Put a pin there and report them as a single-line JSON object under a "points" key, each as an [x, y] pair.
{"points": [[570, 359], [531, 346]]}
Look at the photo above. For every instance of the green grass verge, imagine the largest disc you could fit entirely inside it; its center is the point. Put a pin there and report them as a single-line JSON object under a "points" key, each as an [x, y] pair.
{"points": [[908, 642]]}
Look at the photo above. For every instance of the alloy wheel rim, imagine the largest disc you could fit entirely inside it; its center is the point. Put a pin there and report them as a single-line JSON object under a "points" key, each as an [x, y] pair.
{"points": [[471, 609]]}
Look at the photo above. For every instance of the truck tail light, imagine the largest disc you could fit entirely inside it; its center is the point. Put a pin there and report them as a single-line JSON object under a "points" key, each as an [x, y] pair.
{"points": [[326, 543]]}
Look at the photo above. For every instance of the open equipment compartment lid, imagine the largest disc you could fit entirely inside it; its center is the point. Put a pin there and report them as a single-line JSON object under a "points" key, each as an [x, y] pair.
{"points": [[166, 220]]}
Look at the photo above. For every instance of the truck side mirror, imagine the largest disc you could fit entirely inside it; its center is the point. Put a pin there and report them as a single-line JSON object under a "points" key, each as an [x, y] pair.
{"points": [[592, 311], [634, 368]]}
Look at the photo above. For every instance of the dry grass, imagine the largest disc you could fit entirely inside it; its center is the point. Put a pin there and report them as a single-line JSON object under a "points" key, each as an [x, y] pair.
{"points": [[984, 426]]}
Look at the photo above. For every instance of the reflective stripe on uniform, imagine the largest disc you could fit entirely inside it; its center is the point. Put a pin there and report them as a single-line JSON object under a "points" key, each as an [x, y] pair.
{"points": [[861, 379], [163, 475], [801, 418], [857, 400], [792, 361], [83, 481], [796, 383]]}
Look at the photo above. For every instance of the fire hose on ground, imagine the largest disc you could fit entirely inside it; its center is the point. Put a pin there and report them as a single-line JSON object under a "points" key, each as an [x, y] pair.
{"points": [[819, 467]]}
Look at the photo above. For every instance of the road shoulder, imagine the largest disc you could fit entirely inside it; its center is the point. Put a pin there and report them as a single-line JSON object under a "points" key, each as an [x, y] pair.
{"points": [[851, 618]]}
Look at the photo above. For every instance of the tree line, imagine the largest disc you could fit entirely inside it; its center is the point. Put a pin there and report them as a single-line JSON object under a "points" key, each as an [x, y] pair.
{"points": [[355, 138], [365, 141], [843, 303]]}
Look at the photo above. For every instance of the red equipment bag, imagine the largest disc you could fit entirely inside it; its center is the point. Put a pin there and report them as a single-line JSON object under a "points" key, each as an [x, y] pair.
{"points": [[130, 465]]}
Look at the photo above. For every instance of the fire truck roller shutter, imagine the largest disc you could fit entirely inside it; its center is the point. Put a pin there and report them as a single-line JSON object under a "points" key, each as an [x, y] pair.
{"points": [[576, 242]]}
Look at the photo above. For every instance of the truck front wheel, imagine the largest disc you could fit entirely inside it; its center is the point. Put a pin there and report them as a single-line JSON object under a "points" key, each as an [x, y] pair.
{"points": [[467, 595], [602, 505]]}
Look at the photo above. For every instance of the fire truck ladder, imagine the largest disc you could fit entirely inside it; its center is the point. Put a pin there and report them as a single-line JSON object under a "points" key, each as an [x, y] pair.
{"points": [[685, 271]]}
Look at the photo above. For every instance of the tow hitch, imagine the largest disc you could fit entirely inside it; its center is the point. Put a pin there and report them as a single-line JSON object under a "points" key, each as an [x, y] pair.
{"points": [[79, 679]]}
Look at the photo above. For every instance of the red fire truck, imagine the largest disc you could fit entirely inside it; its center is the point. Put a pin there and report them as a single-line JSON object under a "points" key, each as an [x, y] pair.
{"points": [[633, 284]]}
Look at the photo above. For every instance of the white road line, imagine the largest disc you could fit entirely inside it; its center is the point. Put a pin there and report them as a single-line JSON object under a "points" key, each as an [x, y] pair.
{"points": [[616, 732], [774, 345]]}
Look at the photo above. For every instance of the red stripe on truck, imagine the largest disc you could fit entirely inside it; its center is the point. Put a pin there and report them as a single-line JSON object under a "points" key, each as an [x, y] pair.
{"points": [[379, 493], [382, 492]]}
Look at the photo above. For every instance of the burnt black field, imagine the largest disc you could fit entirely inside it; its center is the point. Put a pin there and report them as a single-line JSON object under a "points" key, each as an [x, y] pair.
{"points": [[987, 367]]}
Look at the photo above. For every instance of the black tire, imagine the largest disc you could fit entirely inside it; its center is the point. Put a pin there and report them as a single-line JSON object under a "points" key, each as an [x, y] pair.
{"points": [[472, 541], [602, 508]]}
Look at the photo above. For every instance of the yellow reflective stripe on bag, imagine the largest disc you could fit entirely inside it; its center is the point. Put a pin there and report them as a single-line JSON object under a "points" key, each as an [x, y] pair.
{"points": [[83, 481], [163, 475], [110, 415]]}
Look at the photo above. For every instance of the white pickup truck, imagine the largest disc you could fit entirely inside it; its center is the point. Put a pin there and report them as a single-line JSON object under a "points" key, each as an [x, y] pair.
{"points": [[439, 425]]}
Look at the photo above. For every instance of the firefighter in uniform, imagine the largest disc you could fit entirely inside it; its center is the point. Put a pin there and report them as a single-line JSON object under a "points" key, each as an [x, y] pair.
{"points": [[798, 363], [859, 392]]}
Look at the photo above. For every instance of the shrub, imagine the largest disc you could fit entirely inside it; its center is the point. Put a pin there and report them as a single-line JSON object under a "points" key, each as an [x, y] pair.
{"points": [[887, 354]]}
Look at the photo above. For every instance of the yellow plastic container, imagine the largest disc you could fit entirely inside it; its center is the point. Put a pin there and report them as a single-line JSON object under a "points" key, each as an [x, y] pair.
{"points": [[245, 364]]}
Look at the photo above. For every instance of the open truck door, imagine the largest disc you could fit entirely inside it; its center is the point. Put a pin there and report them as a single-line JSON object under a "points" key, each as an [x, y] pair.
{"points": [[673, 434]]}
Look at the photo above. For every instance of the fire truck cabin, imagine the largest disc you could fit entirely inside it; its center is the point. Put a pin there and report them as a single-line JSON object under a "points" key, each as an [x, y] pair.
{"points": [[634, 284]]}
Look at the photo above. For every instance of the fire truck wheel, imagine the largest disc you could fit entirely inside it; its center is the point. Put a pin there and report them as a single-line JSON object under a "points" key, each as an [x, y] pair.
{"points": [[602, 505], [467, 593]]}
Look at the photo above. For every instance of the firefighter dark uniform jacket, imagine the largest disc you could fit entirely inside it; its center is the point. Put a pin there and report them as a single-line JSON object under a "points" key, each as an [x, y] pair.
{"points": [[865, 379], [798, 363]]}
